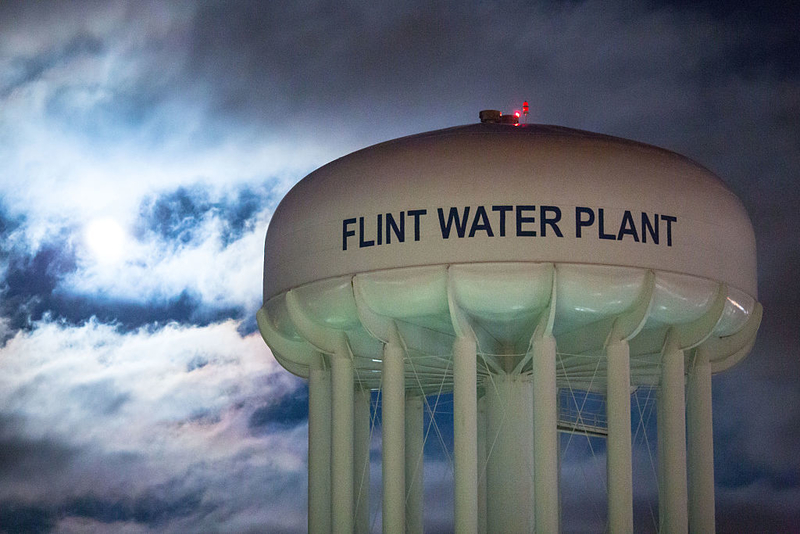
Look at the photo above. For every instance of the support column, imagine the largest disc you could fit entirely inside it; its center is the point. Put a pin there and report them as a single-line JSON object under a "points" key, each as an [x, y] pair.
{"points": [[361, 460], [509, 438], [672, 444], [393, 461], [701, 446], [482, 524], [465, 408], [342, 443], [545, 436], [319, 447], [415, 440], [618, 415]]}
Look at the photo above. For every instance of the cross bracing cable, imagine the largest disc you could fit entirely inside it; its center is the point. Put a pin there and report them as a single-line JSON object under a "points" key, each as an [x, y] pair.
{"points": [[580, 419], [642, 425]]}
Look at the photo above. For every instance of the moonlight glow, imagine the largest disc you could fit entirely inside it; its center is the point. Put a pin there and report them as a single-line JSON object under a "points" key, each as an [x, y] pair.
{"points": [[106, 239]]}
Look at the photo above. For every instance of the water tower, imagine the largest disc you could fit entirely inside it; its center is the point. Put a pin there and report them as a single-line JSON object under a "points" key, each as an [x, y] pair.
{"points": [[503, 262]]}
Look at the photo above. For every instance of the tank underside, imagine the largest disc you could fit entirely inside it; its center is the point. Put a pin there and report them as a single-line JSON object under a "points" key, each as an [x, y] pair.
{"points": [[505, 305]]}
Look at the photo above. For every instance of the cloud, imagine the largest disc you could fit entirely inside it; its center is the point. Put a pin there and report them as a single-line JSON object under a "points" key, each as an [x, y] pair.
{"points": [[135, 427], [106, 95], [30, 278], [194, 255], [24, 518], [174, 216], [193, 242], [287, 411], [103, 127], [758, 507], [751, 417], [96, 122], [26, 458]]}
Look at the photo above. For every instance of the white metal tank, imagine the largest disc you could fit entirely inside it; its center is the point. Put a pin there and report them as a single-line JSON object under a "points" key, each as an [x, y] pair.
{"points": [[502, 262]]}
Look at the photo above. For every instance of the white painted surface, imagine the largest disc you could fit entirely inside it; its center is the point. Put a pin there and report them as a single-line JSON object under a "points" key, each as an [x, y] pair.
{"points": [[493, 165]]}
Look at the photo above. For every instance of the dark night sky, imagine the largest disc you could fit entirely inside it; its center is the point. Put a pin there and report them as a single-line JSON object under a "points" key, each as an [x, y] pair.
{"points": [[145, 145]]}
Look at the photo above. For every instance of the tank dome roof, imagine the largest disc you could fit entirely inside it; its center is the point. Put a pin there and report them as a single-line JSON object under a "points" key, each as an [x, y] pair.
{"points": [[496, 192]]}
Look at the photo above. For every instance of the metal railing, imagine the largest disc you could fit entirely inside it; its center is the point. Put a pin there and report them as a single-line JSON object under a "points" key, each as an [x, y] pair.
{"points": [[582, 412]]}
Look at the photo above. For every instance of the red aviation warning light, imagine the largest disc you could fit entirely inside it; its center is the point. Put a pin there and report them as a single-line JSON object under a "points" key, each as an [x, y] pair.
{"points": [[525, 108]]}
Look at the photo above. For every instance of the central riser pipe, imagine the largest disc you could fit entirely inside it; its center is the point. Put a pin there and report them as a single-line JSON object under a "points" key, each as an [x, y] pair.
{"points": [[509, 444]]}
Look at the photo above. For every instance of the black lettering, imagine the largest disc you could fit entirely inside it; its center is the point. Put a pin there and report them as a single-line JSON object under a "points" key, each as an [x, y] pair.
{"points": [[502, 209], [627, 227], [453, 218], [391, 226], [346, 232], [380, 229], [669, 220], [600, 230], [551, 221], [524, 220], [480, 214], [361, 242], [580, 222], [648, 228], [416, 214]]}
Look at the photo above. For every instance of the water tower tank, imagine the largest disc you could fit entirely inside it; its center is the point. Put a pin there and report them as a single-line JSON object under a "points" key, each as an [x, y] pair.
{"points": [[503, 262]]}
